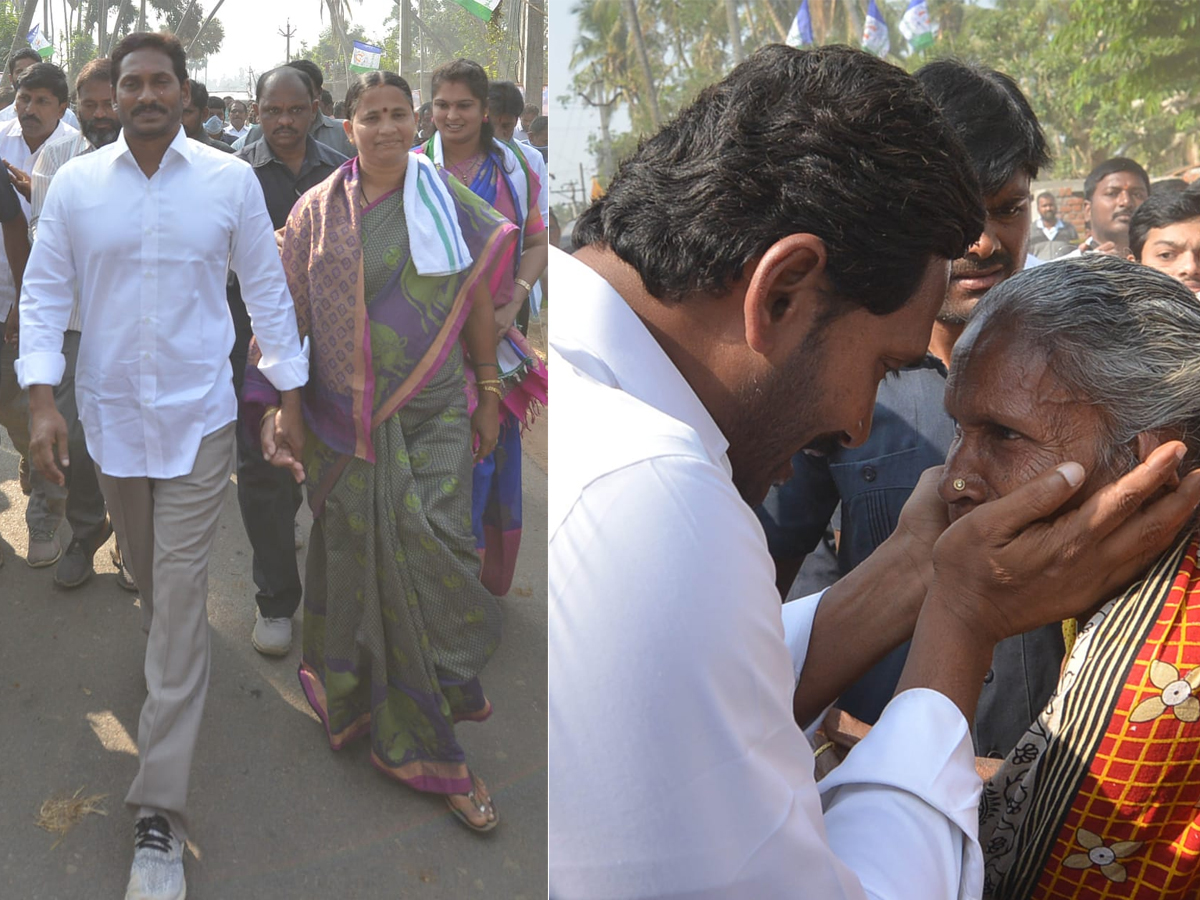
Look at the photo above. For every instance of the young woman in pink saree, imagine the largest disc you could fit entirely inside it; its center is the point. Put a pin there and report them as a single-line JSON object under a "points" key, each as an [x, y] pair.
{"points": [[464, 147]]}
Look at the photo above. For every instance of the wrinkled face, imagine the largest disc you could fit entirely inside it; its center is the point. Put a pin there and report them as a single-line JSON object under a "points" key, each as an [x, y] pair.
{"points": [[823, 397], [383, 126], [505, 126], [998, 254], [150, 98], [287, 110], [458, 114], [237, 115], [1014, 420], [1113, 204], [1175, 251], [1048, 210], [97, 117], [38, 111]]}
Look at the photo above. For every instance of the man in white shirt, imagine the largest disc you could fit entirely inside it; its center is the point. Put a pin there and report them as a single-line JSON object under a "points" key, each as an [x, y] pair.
{"points": [[734, 301], [238, 126], [504, 107], [17, 64], [85, 511], [144, 227], [41, 101]]}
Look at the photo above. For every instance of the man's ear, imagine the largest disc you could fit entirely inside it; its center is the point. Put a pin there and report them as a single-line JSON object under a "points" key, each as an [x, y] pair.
{"points": [[786, 287], [1148, 442]]}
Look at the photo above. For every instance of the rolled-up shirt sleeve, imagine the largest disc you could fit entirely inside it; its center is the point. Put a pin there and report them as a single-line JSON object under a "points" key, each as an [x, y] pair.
{"points": [[47, 293], [255, 258]]}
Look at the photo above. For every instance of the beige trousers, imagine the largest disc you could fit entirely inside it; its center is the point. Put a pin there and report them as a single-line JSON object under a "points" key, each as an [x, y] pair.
{"points": [[167, 528]]}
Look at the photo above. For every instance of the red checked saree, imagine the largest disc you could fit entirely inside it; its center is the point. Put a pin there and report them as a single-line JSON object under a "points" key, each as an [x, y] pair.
{"points": [[1101, 797]]}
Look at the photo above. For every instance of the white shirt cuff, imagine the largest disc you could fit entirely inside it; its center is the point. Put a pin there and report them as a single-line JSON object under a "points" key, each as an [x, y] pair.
{"points": [[40, 368], [287, 374]]}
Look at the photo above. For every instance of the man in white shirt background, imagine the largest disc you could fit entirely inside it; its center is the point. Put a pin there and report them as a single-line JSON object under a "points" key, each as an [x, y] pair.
{"points": [[85, 511], [751, 274], [238, 114], [17, 64], [143, 227], [41, 101], [504, 108]]}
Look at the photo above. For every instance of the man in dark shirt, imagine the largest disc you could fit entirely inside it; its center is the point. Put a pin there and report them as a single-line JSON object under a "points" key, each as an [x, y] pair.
{"points": [[194, 115], [287, 161], [911, 430]]}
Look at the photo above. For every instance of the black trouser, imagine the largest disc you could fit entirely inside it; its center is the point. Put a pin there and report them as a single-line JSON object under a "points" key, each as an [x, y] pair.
{"points": [[269, 498]]}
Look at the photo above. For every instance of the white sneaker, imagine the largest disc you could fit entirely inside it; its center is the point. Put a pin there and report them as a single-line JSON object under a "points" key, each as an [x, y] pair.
{"points": [[299, 536], [157, 872], [271, 637]]}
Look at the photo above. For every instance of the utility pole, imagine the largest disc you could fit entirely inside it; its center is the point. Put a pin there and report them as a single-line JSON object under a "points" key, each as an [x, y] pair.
{"points": [[287, 35], [142, 17]]}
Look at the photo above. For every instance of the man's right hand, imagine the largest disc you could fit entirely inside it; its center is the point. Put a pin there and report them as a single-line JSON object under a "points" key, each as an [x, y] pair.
{"points": [[47, 434]]}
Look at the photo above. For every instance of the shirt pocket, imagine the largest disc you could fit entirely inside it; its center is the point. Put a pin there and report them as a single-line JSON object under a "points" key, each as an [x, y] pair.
{"points": [[873, 492]]}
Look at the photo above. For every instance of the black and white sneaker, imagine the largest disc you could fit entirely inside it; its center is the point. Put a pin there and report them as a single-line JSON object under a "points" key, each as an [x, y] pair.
{"points": [[157, 872]]}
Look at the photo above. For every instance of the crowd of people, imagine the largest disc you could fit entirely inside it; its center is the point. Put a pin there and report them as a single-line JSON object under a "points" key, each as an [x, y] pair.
{"points": [[334, 308], [835, 374]]}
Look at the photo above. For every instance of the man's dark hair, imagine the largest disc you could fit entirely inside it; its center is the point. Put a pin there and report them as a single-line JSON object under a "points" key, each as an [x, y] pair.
{"points": [[992, 118], [532, 108], [216, 103], [199, 95], [1111, 167], [326, 97], [373, 79], [833, 142], [1049, 194], [1168, 186], [26, 53], [1159, 211], [312, 70], [45, 75], [539, 124], [261, 85], [504, 99], [163, 42], [99, 69]]}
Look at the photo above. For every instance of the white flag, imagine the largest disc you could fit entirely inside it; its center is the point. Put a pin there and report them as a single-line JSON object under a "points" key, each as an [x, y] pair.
{"points": [[915, 25], [875, 32]]}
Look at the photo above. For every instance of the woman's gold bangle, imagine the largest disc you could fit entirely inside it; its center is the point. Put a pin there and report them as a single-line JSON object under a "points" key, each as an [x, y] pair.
{"points": [[495, 381], [270, 413], [525, 284], [491, 387], [826, 746]]}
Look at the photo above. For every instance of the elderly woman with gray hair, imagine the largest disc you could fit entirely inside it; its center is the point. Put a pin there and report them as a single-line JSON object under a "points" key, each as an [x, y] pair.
{"points": [[1095, 360]]}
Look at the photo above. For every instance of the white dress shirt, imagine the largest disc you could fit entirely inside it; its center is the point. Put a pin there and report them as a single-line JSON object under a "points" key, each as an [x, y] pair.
{"points": [[9, 114], [150, 256], [14, 149], [676, 769]]}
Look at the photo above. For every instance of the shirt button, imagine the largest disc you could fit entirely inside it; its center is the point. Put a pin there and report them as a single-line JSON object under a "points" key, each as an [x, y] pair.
{"points": [[868, 473], [145, 356], [987, 679]]}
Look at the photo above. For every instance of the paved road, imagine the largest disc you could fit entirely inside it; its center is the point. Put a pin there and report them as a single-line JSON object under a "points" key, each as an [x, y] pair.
{"points": [[275, 813]]}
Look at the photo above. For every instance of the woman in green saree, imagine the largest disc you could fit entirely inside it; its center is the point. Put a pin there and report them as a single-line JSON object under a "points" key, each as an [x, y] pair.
{"points": [[392, 265]]}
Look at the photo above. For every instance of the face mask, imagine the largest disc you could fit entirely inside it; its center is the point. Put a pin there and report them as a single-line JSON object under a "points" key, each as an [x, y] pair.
{"points": [[214, 126]]}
